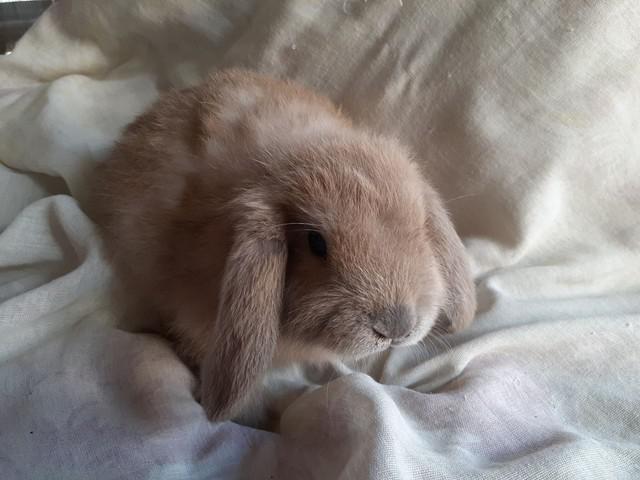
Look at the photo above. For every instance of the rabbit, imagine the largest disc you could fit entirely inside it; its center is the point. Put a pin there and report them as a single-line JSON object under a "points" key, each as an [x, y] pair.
{"points": [[257, 225]]}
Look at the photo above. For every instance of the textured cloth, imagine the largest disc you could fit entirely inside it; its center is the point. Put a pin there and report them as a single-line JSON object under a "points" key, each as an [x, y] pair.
{"points": [[524, 114]]}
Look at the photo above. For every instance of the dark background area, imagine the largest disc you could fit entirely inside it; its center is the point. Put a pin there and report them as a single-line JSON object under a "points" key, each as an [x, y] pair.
{"points": [[16, 18]]}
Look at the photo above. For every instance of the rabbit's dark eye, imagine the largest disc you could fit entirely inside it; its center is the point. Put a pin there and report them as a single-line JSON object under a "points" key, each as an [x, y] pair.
{"points": [[317, 245]]}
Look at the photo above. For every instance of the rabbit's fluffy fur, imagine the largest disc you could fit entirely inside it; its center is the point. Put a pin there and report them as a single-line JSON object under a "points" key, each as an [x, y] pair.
{"points": [[206, 207]]}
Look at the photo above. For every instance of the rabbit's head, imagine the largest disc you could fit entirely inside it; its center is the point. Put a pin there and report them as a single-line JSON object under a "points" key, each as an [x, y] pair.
{"points": [[367, 256], [341, 248]]}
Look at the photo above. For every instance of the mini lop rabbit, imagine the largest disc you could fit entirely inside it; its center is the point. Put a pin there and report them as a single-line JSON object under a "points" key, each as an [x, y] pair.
{"points": [[259, 226]]}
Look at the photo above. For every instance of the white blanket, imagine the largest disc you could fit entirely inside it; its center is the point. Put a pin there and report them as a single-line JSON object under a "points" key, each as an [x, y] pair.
{"points": [[526, 116]]}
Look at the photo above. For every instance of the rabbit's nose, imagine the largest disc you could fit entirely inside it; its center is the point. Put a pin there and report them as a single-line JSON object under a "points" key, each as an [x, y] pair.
{"points": [[395, 322]]}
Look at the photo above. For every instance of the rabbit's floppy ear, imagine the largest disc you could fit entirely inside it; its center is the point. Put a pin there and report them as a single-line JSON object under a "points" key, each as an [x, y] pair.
{"points": [[460, 303], [245, 334]]}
